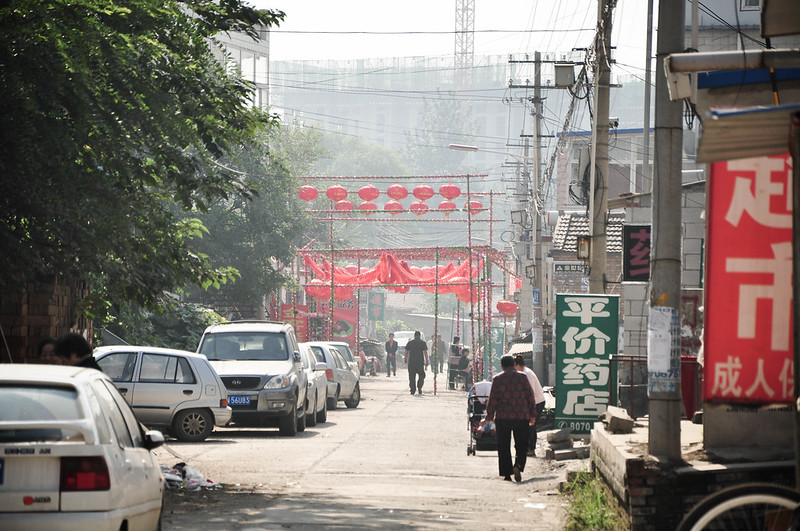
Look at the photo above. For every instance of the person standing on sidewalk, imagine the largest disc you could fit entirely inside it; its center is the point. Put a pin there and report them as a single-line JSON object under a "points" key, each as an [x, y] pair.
{"points": [[417, 361], [512, 408], [391, 356], [538, 396], [452, 365]]}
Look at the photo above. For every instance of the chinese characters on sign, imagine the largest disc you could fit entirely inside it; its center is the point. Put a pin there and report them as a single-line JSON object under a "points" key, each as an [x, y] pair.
{"points": [[375, 305], [636, 253], [748, 321], [587, 328]]}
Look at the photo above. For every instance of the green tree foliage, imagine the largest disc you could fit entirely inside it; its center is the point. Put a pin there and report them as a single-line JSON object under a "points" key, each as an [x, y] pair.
{"points": [[258, 235], [111, 114]]}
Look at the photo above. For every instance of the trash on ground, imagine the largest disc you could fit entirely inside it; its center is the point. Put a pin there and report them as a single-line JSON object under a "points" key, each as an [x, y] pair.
{"points": [[183, 477]]}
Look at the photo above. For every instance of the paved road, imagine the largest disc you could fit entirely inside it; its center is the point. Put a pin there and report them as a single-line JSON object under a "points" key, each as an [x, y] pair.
{"points": [[397, 461]]}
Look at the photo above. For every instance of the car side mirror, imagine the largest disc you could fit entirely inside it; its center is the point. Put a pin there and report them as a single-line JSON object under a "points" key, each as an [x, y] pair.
{"points": [[321, 366], [153, 439], [297, 357]]}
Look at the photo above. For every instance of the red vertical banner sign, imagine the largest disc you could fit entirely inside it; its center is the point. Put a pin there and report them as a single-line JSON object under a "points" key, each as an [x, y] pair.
{"points": [[748, 316], [297, 316], [345, 314]]}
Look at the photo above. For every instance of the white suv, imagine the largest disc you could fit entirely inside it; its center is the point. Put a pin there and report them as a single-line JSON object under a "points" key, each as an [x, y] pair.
{"points": [[259, 363]]}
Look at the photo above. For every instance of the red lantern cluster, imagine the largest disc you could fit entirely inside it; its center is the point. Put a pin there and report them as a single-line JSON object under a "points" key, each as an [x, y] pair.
{"points": [[368, 207], [343, 206], [447, 207], [473, 206]]}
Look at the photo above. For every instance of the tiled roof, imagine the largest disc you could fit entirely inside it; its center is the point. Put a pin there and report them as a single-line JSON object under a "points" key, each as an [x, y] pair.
{"points": [[571, 225]]}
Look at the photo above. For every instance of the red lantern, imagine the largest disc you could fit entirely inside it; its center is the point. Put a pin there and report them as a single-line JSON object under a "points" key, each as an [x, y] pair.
{"points": [[418, 208], [368, 192], [393, 207], [449, 191], [507, 308], [307, 192], [343, 206], [447, 207], [423, 192], [337, 193], [368, 207], [397, 191], [474, 207]]}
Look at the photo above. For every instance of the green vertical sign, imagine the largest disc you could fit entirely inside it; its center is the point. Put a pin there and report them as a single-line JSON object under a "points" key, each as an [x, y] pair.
{"points": [[375, 305], [498, 341], [587, 329]]}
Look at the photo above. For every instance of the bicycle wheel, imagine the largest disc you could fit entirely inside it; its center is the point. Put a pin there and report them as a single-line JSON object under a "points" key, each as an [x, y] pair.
{"points": [[752, 506]]}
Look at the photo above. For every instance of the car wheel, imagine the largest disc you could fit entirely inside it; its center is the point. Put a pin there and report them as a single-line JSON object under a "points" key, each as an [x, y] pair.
{"points": [[287, 424], [354, 400], [192, 425], [322, 416], [311, 419], [332, 400], [301, 420]]}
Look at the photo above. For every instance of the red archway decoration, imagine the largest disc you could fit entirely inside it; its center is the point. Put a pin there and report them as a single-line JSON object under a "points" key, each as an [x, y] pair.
{"points": [[336, 192], [307, 192], [418, 207], [423, 192], [397, 192], [368, 192], [449, 191]]}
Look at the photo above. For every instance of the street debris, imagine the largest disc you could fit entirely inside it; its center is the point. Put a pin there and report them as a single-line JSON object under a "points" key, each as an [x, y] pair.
{"points": [[183, 477]]}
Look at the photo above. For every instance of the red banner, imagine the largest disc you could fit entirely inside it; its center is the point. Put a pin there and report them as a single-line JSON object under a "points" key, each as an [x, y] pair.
{"points": [[297, 316], [748, 317], [345, 315]]}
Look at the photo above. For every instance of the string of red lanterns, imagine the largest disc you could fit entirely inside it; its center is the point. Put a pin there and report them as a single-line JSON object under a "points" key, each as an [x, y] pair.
{"points": [[368, 193]]}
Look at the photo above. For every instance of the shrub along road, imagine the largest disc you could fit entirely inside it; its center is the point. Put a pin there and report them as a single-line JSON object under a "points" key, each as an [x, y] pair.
{"points": [[396, 461]]}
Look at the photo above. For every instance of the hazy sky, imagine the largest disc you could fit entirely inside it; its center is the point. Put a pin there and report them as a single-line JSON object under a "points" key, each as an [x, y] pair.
{"points": [[326, 29]]}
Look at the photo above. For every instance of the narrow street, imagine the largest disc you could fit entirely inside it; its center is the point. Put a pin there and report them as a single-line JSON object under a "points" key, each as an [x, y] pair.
{"points": [[396, 461]]}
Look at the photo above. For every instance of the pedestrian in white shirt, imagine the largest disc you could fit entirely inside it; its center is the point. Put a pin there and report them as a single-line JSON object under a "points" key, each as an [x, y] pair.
{"points": [[538, 397]]}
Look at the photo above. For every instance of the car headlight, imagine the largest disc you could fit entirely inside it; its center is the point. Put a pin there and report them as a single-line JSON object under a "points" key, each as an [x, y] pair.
{"points": [[278, 382]]}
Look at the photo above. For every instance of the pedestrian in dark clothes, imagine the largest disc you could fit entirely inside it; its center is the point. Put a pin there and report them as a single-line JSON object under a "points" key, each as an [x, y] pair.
{"points": [[417, 361], [512, 408]]}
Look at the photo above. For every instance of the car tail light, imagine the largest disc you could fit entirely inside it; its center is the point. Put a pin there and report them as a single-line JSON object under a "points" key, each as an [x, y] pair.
{"points": [[329, 374], [223, 402], [84, 473]]}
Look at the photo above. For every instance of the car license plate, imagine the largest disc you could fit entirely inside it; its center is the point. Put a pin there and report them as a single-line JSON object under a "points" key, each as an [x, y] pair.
{"points": [[238, 400]]}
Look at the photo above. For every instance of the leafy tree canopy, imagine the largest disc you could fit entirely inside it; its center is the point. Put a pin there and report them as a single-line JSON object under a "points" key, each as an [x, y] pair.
{"points": [[258, 235], [111, 114]]}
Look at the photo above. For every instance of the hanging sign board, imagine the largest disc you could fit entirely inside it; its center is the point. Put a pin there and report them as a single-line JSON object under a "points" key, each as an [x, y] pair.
{"points": [[748, 316], [587, 328], [636, 253]]}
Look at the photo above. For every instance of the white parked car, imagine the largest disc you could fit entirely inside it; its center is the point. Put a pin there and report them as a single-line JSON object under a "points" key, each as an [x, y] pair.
{"points": [[343, 383], [317, 394], [167, 388], [72, 454]]}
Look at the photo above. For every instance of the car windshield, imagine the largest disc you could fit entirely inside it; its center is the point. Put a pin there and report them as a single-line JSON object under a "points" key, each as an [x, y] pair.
{"points": [[27, 403], [245, 346]]}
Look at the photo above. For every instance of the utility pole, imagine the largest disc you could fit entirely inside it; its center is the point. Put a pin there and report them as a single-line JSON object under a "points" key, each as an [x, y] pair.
{"points": [[598, 202], [537, 215], [663, 390]]}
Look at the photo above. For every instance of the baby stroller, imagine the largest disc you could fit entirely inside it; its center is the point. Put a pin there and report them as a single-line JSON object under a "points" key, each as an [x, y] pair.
{"points": [[479, 438]]}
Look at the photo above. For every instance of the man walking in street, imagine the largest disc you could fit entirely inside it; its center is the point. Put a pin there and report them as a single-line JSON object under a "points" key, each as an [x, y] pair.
{"points": [[441, 353], [538, 396], [417, 361], [512, 408], [391, 356]]}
